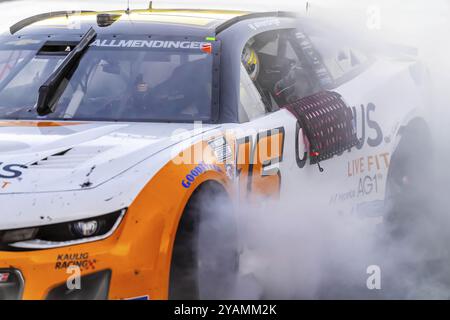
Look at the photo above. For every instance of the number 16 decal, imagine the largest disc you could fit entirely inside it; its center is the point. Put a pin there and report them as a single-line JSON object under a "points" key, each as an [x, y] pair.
{"points": [[257, 164]]}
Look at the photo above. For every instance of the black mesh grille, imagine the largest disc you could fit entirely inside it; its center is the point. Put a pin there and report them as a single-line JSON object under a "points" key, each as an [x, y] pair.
{"points": [[328, 124], [11, 284], [94, 286]]}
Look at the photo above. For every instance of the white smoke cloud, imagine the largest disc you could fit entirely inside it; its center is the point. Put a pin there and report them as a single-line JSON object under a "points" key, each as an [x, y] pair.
{"points": [[295, 249]]}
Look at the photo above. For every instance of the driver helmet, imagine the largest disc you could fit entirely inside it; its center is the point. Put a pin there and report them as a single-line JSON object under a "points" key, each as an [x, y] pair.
{"points": [[250, 61]]}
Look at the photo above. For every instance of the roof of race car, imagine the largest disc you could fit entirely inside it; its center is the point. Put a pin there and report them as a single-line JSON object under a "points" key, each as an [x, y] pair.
{"points": [[150, 21]]}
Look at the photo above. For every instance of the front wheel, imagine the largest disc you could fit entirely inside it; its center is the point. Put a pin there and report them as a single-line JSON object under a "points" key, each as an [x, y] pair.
{"points": [[205, 253]]}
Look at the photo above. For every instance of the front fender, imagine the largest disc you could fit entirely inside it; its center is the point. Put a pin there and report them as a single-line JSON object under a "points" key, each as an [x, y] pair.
{"points": [[154, 215]]}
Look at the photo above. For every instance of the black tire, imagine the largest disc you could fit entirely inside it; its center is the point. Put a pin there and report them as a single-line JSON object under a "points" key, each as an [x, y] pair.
{"points": [[413, 246], [205, 254], [409, 184]]}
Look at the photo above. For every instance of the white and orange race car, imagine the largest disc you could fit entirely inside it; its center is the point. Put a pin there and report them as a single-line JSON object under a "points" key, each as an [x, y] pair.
{"points": [[123, 132]]}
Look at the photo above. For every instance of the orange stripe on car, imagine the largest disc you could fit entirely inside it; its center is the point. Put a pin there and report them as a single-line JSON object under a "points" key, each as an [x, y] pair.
{"points": [[37, 124]]}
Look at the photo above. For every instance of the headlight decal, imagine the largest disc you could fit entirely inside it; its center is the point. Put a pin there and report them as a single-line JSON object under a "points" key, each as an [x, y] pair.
{"points": [[62, 234]]}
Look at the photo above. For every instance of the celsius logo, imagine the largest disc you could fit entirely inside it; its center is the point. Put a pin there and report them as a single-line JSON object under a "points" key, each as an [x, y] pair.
{"points": [[11, 171], [371, 132]]}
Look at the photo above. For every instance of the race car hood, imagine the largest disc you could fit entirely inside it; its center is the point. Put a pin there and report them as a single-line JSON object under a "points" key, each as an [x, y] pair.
{"points": [[52, 157]]}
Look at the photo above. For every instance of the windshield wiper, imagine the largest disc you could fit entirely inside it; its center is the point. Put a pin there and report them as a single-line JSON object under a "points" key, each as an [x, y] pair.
{"points": [[51, 90]]}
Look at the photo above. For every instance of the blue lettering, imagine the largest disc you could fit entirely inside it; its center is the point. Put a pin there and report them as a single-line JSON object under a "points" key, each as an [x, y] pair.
{"points": [[13, 170], [185, 184]]}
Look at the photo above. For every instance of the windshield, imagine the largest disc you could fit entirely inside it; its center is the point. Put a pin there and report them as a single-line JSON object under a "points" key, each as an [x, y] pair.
{"points": [[116, 80]]}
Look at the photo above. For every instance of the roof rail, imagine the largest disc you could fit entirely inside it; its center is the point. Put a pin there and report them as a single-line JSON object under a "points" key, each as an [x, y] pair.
{"points": [[26, 22], [231, 22]]}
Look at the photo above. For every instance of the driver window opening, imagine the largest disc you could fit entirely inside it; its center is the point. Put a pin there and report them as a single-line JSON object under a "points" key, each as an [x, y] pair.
{"points": [[278, 70]]}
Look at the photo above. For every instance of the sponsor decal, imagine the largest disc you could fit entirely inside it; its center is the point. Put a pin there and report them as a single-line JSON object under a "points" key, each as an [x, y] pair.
{"points": [[81, 260], [369, 185], [154, 44], [264, 23], [198, 171], [224, 154], [4, 184], [368, 164], [221, 148], [10, 171], [207, 48], [371, 132], [4, 277], [370, 174]]}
